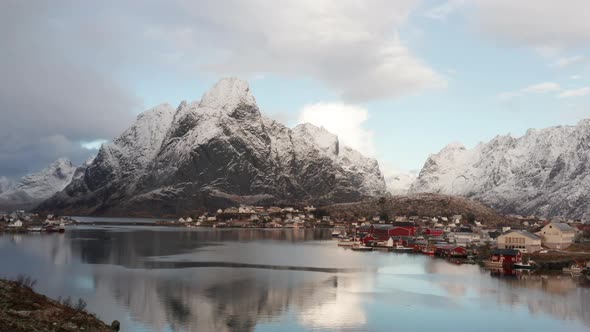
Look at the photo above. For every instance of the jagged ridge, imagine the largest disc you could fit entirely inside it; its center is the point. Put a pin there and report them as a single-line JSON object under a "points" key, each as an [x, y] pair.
{"points": [[34, 188], [545, 172], [213, 153]]}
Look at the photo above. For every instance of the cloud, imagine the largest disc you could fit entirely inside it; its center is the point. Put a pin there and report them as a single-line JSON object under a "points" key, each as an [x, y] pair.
{"points": [[353, 47], [49, 101], [575, 77], [581, 92], [64, 68], [93, 145], [539, 88], [541, 24], [345, 120], [568, 61], [441, 12]]}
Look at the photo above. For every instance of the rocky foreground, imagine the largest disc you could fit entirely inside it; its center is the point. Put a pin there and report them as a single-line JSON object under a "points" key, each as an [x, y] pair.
{"points": [[21, 309]]}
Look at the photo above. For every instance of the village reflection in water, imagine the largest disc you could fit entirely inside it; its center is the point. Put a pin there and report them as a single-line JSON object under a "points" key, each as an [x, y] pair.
{"points": [[112, 269]]}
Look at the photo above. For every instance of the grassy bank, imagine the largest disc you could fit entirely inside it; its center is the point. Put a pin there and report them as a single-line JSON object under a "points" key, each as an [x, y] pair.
{"points": [[22, 309]]}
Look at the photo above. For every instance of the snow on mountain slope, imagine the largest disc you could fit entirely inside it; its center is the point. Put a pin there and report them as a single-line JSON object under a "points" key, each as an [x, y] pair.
{"points": [[399, 183], [37, 187], [545, 172], [217, 152], [5, 184]]}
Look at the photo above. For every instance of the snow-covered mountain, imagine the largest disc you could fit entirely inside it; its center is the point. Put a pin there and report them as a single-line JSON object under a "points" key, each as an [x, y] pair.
{"points": [[34, 188], [216, 152], [399, 183], [5, 184], [545, 172]]}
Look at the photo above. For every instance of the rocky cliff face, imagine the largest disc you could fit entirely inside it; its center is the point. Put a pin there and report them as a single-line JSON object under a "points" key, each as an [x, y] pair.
{"points": [[34, 188], [217, 152], [546, 172]]}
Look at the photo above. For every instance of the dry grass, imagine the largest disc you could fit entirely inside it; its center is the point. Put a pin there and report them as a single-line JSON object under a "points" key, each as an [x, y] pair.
{"points": [[21, 309]]}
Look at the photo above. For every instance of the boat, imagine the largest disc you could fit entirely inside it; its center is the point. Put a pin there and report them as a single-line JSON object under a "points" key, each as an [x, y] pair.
{"points": [[35, 229], [360, 247], [338, 231], [427, 251], [61, 228], [400, 248], [574, 269], [346, 243], [523, 266]]}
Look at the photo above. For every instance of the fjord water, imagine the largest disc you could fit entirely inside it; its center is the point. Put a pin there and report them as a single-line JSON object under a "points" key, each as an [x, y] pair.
{"points": [[170, 279]]}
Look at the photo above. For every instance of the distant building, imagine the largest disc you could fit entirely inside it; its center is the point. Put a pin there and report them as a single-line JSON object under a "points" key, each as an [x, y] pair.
{"points": [[556, 235], [520, 240], [16, 223], [507, 257]]}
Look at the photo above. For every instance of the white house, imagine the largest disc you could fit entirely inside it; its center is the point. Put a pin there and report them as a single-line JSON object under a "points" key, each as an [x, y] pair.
{"points": [[16, 223], [557, 235]]}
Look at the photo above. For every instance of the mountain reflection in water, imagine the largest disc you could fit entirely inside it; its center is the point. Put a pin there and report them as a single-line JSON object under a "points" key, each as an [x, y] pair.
{"points": [[164, 279]]}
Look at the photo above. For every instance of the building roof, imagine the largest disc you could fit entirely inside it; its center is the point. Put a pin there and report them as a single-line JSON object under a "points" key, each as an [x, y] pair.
{"points": [[562, 226], [403, 224], [523, 233], [505, 252]]}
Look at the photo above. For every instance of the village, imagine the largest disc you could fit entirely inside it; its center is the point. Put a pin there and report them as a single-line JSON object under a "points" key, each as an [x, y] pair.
{"points": [[522, 243]]}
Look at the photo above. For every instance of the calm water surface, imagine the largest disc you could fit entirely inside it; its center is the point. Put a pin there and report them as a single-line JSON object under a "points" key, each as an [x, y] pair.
{"points": [[165, 279]]}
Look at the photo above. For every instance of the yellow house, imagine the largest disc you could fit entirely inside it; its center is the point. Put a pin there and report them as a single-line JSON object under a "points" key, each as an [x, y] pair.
{"points": [[519, 240], [557, 235]]}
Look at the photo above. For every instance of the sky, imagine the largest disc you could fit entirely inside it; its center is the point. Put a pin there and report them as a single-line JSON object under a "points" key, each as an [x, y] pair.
{"points": [[397, 80]]}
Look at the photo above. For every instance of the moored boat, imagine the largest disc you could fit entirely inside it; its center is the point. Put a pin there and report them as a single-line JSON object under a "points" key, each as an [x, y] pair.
{"points": [[361, 248], [401, 248], [347, 243], [428, 251], [574, 269], [523, 266]]}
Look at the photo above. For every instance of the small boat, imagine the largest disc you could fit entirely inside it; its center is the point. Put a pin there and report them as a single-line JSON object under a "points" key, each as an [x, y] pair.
{"points": [[346, 243], [361, 248], [429, 252], [61, 228], [523, 266], [401, 248], [35, 229], [574, 269], [338, 232]]}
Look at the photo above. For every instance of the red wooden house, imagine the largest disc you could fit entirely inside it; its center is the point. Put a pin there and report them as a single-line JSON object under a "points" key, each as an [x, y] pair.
{"points": [[506, 256], [450, 250], [434, 232]]}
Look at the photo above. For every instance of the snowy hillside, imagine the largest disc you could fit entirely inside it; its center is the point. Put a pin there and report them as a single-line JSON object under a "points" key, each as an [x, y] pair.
{"points": [[214, 152], [34, 188], [546, 172]]}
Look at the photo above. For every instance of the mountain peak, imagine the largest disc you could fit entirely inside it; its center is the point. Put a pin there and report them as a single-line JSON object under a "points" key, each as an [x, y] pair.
{"points": [[228, 94]]}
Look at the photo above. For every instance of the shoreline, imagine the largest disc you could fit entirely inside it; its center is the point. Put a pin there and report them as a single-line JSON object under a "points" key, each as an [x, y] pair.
{"points": [[22, 309]]}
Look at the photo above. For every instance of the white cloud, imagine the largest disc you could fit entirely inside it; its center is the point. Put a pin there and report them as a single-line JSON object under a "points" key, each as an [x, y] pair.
{"points": [[352, 46], [345, 120], [441, 12], [575, 77], [581, 92], [568, 61], [539, 88], [93, 145], [542, 24]]}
